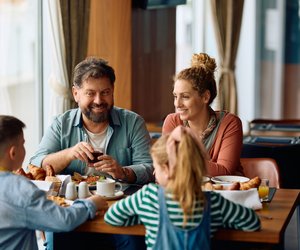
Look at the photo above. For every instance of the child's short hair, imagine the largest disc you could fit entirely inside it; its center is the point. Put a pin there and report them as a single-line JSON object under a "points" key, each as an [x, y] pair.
{"points": [[10, 128]]}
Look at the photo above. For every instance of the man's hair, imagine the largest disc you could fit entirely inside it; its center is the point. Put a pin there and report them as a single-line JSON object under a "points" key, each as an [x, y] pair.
{"points": [[10, 128], [92, 67]]}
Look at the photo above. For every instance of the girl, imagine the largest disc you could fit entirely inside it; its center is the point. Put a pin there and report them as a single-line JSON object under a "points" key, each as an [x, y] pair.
{"points": [[175, 212]]}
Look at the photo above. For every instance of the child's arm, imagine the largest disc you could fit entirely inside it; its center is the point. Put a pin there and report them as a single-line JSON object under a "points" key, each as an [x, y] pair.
{"points": [[125, 212], [232, 215]]}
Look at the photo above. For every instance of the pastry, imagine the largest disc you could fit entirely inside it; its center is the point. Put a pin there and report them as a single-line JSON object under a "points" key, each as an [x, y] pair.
{"points": [[21, 171], [253, 183], [37, 172]]}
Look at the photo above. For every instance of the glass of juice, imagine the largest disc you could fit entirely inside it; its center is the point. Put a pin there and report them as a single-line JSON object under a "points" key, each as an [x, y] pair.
{"points": [[263, 190]]}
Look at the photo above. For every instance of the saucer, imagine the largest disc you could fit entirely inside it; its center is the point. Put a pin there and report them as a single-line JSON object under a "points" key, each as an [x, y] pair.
{"points": [[117, 195]]}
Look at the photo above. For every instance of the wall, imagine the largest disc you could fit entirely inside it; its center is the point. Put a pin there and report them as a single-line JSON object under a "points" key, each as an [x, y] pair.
{"points": [[140, 46], [110, 38]]}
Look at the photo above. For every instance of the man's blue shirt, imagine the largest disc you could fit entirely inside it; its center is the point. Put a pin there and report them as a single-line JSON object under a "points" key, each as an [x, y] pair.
{"points": [[128, 141]]}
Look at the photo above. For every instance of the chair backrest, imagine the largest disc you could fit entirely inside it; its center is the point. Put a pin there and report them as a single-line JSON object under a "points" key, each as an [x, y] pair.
{"points": [[263, 168], [275, 127]]}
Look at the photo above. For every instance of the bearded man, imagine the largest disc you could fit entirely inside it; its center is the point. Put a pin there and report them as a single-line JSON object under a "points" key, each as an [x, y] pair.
{"points": [[97, 125]]}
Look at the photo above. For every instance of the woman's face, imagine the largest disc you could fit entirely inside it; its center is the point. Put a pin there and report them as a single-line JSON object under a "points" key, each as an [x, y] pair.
{"points": [[187, 101]]}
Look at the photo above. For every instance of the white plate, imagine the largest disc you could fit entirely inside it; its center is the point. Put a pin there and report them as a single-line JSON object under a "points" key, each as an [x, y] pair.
{"points": [[205, 179], [223, 179], [117, 195]]}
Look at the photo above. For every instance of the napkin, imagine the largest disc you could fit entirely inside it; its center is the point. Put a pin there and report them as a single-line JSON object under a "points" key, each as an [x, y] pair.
{"points": [[43, 185], [65, 179], [248, 198]]}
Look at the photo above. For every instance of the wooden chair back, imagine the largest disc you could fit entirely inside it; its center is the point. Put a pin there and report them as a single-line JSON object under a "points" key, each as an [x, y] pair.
{"points": [[263, 168]]}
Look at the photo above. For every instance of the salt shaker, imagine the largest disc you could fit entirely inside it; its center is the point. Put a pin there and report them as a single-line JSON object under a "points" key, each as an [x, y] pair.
{"points": [[83, 190], [71, 192]]}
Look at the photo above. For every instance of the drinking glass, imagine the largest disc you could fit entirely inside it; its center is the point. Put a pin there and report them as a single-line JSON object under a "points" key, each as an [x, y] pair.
{"points": [[263, 190]]}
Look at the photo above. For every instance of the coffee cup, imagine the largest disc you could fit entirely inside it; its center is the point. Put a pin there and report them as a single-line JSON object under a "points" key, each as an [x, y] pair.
{"points": [[108, 187]]}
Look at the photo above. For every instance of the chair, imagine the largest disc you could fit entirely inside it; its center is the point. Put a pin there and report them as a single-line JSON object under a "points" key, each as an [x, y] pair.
{"points": [[263, 168], [275, 127]]}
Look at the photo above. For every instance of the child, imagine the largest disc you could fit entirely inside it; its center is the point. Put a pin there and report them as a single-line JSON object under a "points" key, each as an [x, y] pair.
{"points": [[23, 207], [175, 211]]}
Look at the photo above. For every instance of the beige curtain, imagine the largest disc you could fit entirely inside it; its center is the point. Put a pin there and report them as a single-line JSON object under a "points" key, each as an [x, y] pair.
{"points": [[227, 18], [75, 19]]}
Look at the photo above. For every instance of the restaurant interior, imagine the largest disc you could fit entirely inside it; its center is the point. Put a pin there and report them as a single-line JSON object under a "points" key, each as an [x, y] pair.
{"points": [[256, 45]]}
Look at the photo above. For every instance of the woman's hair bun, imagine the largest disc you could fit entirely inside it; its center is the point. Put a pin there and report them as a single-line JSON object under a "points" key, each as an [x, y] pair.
{"points": [[204, 61]]}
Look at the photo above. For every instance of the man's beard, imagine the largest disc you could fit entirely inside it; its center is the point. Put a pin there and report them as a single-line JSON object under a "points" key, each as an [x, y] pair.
{"points": [[97, 117]]}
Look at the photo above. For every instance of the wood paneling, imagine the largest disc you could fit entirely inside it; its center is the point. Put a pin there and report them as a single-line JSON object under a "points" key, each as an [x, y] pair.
{"points": [[141, 46], [153, 62], [291, 91], [110, 39]]}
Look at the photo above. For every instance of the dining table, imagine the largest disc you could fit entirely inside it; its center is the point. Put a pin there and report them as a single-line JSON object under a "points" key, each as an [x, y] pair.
{"points": [[275, 217]]}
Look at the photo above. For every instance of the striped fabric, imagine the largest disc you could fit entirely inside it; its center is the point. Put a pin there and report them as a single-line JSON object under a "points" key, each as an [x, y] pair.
{"points": [[142, 207]]}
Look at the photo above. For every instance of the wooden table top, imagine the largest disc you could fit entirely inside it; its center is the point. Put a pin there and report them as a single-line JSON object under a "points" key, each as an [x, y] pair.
{"points": [[275, 217]]}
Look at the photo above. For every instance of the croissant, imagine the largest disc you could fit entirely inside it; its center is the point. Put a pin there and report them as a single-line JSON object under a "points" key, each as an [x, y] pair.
{"points": [[21, 171], [37, 173], [233, 186], [253, 183]]}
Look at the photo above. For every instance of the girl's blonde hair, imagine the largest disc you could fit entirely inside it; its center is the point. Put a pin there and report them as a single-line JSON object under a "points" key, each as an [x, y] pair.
{"points": [[186, 178]]}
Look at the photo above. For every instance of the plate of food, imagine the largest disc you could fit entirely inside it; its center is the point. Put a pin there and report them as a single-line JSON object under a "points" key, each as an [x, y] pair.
{"points": [[205, 179], [233, 184], [91, 180], [223, 179]]}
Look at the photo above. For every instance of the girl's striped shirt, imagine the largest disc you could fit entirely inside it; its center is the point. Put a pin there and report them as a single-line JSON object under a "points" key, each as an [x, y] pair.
{"points": [[142, 207]]}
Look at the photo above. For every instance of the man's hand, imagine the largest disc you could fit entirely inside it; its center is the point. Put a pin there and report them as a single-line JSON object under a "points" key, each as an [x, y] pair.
{"points": [[108, 165], [82, 151]]}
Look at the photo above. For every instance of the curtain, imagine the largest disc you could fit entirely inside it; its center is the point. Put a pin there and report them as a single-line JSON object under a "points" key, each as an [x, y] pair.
{"points": [[227, 19], [7, 29], [59, 79], [75, 20]]}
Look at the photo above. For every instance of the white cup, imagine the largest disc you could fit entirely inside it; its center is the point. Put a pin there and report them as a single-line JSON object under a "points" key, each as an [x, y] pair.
{"points": [[71, 192], [108, 187], [83, 190]]}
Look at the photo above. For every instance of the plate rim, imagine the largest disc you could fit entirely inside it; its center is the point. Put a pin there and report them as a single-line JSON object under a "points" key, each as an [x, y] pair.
{"points": [[221, 176], [110, 197]]}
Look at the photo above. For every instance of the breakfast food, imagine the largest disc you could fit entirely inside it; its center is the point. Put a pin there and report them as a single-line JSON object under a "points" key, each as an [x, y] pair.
{"points": [[56, 183], [21, 171], [58, 200], [91, 180], [37, 172], [253, 183]]}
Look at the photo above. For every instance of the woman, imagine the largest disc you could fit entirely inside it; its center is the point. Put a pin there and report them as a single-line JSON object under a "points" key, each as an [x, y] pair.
{"points": [[221, 132]]}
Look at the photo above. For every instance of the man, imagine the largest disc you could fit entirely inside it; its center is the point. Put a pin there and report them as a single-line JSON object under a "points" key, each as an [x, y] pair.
{"points": [[120, 134]]}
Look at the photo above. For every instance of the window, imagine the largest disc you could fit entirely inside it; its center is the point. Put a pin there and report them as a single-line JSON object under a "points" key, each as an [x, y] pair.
{"points": [[20, 67]]}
